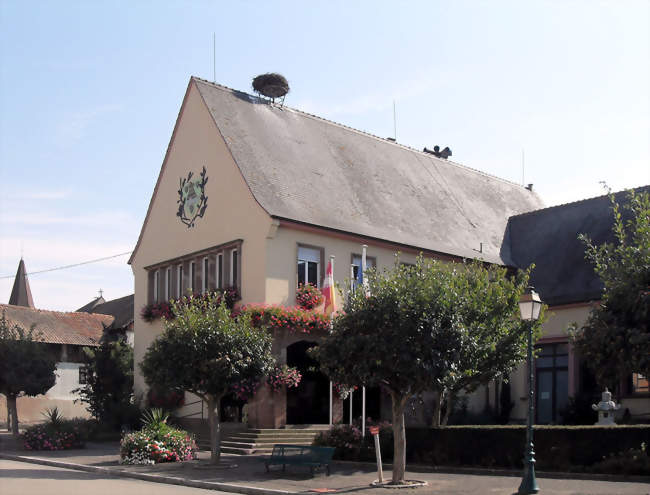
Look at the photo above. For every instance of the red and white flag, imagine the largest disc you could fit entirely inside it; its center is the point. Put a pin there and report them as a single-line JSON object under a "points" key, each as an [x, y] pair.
{"points": [[329, 291]]}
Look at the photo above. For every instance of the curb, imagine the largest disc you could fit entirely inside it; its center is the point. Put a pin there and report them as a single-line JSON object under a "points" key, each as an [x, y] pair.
{"points": [[558, 475], [210, 485]]}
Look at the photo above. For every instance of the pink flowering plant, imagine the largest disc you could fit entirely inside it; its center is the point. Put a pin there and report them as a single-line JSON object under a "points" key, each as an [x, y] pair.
{"points": [[163, 309], [308, 296], [157, 442], [283, 376], [292, 319], [57, 433]]}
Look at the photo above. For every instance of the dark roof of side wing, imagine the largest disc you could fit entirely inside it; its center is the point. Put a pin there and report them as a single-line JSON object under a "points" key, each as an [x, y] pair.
{"points": [[549, 238], [308, 169]]}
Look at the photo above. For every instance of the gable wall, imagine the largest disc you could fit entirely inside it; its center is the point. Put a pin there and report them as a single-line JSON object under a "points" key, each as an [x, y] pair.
{"points": [[231, 214]]}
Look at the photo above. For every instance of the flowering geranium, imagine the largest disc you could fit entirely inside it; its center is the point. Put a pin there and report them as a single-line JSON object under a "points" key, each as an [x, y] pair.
{"points": [[151, 446], [53, 437], [308, 296], [343, 390], [163, 309], [283, 376], [291, 319]]}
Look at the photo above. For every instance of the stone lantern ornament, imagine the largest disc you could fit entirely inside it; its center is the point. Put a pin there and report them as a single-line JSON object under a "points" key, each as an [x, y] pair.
{"points": [[606, 408]]}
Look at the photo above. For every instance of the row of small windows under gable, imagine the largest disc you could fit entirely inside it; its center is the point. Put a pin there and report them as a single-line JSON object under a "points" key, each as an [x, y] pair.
{"points": [[208, 270]]}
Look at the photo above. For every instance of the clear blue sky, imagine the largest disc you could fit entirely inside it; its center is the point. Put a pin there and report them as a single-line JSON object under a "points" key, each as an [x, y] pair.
{"points": [[89, 93]]}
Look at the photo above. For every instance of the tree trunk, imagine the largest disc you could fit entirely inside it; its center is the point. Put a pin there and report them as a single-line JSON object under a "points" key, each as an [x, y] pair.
{"points": [[451, 397], [214, 411], [437, 407], [8, 416], [399, 436], [13, 409]]}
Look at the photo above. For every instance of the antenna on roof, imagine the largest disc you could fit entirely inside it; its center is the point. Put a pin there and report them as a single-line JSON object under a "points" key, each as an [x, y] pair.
{"points": [[394, 122], [214, 57]]}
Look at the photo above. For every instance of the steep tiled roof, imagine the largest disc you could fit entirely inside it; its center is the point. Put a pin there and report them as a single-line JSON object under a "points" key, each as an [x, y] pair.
{"points": [[307, 169], [59, 328], [21, 294], [549, 239]]}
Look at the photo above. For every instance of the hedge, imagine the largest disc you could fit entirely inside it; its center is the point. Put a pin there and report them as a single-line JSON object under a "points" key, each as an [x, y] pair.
{"points": [[556, 447]]}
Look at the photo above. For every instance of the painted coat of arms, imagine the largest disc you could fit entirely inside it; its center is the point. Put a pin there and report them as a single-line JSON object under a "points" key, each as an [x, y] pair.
{"points": [[192, 200]]}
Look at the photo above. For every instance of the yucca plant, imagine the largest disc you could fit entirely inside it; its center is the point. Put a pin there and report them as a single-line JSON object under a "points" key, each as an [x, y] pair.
{"points": [[54, 417], [154, 419]]}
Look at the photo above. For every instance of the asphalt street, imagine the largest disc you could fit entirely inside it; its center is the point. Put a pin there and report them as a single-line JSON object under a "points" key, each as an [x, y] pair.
{"points": [[19, 478]]}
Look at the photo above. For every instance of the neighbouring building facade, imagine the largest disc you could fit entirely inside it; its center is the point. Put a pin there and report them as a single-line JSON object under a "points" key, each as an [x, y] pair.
{"points": [[64, 334]]}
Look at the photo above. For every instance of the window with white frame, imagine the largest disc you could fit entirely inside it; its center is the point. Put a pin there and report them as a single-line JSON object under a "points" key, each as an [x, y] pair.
{"points": [[156, 286], [219, 271], [168, 283], [204, 275], [371, 262], [309, 265], [179, 281], [233, 267]]}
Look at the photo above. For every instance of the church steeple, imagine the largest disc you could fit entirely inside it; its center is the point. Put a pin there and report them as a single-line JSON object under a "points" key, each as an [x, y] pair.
{"points": [[21, 294]]}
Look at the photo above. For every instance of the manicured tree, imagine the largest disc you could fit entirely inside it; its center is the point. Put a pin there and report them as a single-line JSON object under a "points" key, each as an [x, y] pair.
{"points": [[207, 352], [108, 392], [26, 367], [615, 340], [418, 326]]}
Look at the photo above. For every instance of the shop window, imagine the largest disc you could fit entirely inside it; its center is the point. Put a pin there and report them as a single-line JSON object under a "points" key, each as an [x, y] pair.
{"points": [[309, 262]]}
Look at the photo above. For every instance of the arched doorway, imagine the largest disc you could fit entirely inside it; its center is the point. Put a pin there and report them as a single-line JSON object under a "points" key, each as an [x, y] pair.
{"points": [[308, 403]]}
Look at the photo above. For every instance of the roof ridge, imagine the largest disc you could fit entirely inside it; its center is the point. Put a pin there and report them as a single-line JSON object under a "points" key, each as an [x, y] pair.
{"points": [[578, 201], [54, 311], [359, 131]]}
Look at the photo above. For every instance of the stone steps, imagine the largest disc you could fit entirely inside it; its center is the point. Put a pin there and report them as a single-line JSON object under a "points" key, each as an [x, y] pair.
{"points": [[260, 440]]}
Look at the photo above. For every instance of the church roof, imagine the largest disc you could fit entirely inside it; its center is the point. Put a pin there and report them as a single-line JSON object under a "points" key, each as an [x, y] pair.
{"points": [[88, 308], [21, 294], [56, 327]]}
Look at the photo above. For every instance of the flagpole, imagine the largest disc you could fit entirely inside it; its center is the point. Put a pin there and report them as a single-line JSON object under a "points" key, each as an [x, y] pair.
{"points": [[332, 299]]}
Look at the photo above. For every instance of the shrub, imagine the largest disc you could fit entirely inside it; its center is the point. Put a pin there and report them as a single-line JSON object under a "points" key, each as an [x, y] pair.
{"points": [[283, 376], [562, 448], [57, 433], [351, 445], [165, 399], [308, 296], [163, 309], [631, 461], [160, 443]]}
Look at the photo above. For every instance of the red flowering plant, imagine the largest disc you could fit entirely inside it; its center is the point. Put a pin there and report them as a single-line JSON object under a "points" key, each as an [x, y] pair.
{"points": [[153, 311], [308, 296], [283, 376], [343, 390], [292, 319]]}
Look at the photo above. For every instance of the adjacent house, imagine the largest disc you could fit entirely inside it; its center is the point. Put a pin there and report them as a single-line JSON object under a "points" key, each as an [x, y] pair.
{"points": [[64, 335]]}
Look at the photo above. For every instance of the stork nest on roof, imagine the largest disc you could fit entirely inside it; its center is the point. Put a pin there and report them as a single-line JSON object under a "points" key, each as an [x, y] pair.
{"points": [[271, 85]]}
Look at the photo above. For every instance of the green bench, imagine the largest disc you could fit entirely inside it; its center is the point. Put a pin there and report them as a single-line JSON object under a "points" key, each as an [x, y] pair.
{"points": [[300, 455]]}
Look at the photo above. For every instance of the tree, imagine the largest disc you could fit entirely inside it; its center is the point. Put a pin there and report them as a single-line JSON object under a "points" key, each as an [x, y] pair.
{"points": [[108, 391], [209, 353], [430, 326], [615, 340], [26, 367]]}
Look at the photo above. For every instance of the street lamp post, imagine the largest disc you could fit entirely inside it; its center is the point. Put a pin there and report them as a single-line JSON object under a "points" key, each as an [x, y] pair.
{"points": [[529, 307]]}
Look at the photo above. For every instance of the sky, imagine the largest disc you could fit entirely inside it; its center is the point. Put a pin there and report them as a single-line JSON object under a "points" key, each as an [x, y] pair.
{"points": [[90, 91]]}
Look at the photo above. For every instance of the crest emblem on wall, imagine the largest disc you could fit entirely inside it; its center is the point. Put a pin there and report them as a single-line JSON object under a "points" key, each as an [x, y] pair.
{"points": [[192, 200]]}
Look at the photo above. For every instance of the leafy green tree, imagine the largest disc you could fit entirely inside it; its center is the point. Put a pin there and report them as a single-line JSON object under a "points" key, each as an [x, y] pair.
{"points": [[615, 340], [206, 351], [430, 326], [26, 367], [108, 391]]}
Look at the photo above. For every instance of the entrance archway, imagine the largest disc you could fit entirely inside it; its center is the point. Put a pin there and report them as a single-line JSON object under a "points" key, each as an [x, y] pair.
{"points": [[308, 403]]}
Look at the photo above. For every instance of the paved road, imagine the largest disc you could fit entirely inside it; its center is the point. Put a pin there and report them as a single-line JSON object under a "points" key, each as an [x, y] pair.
{"points": [[20, 478]]}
